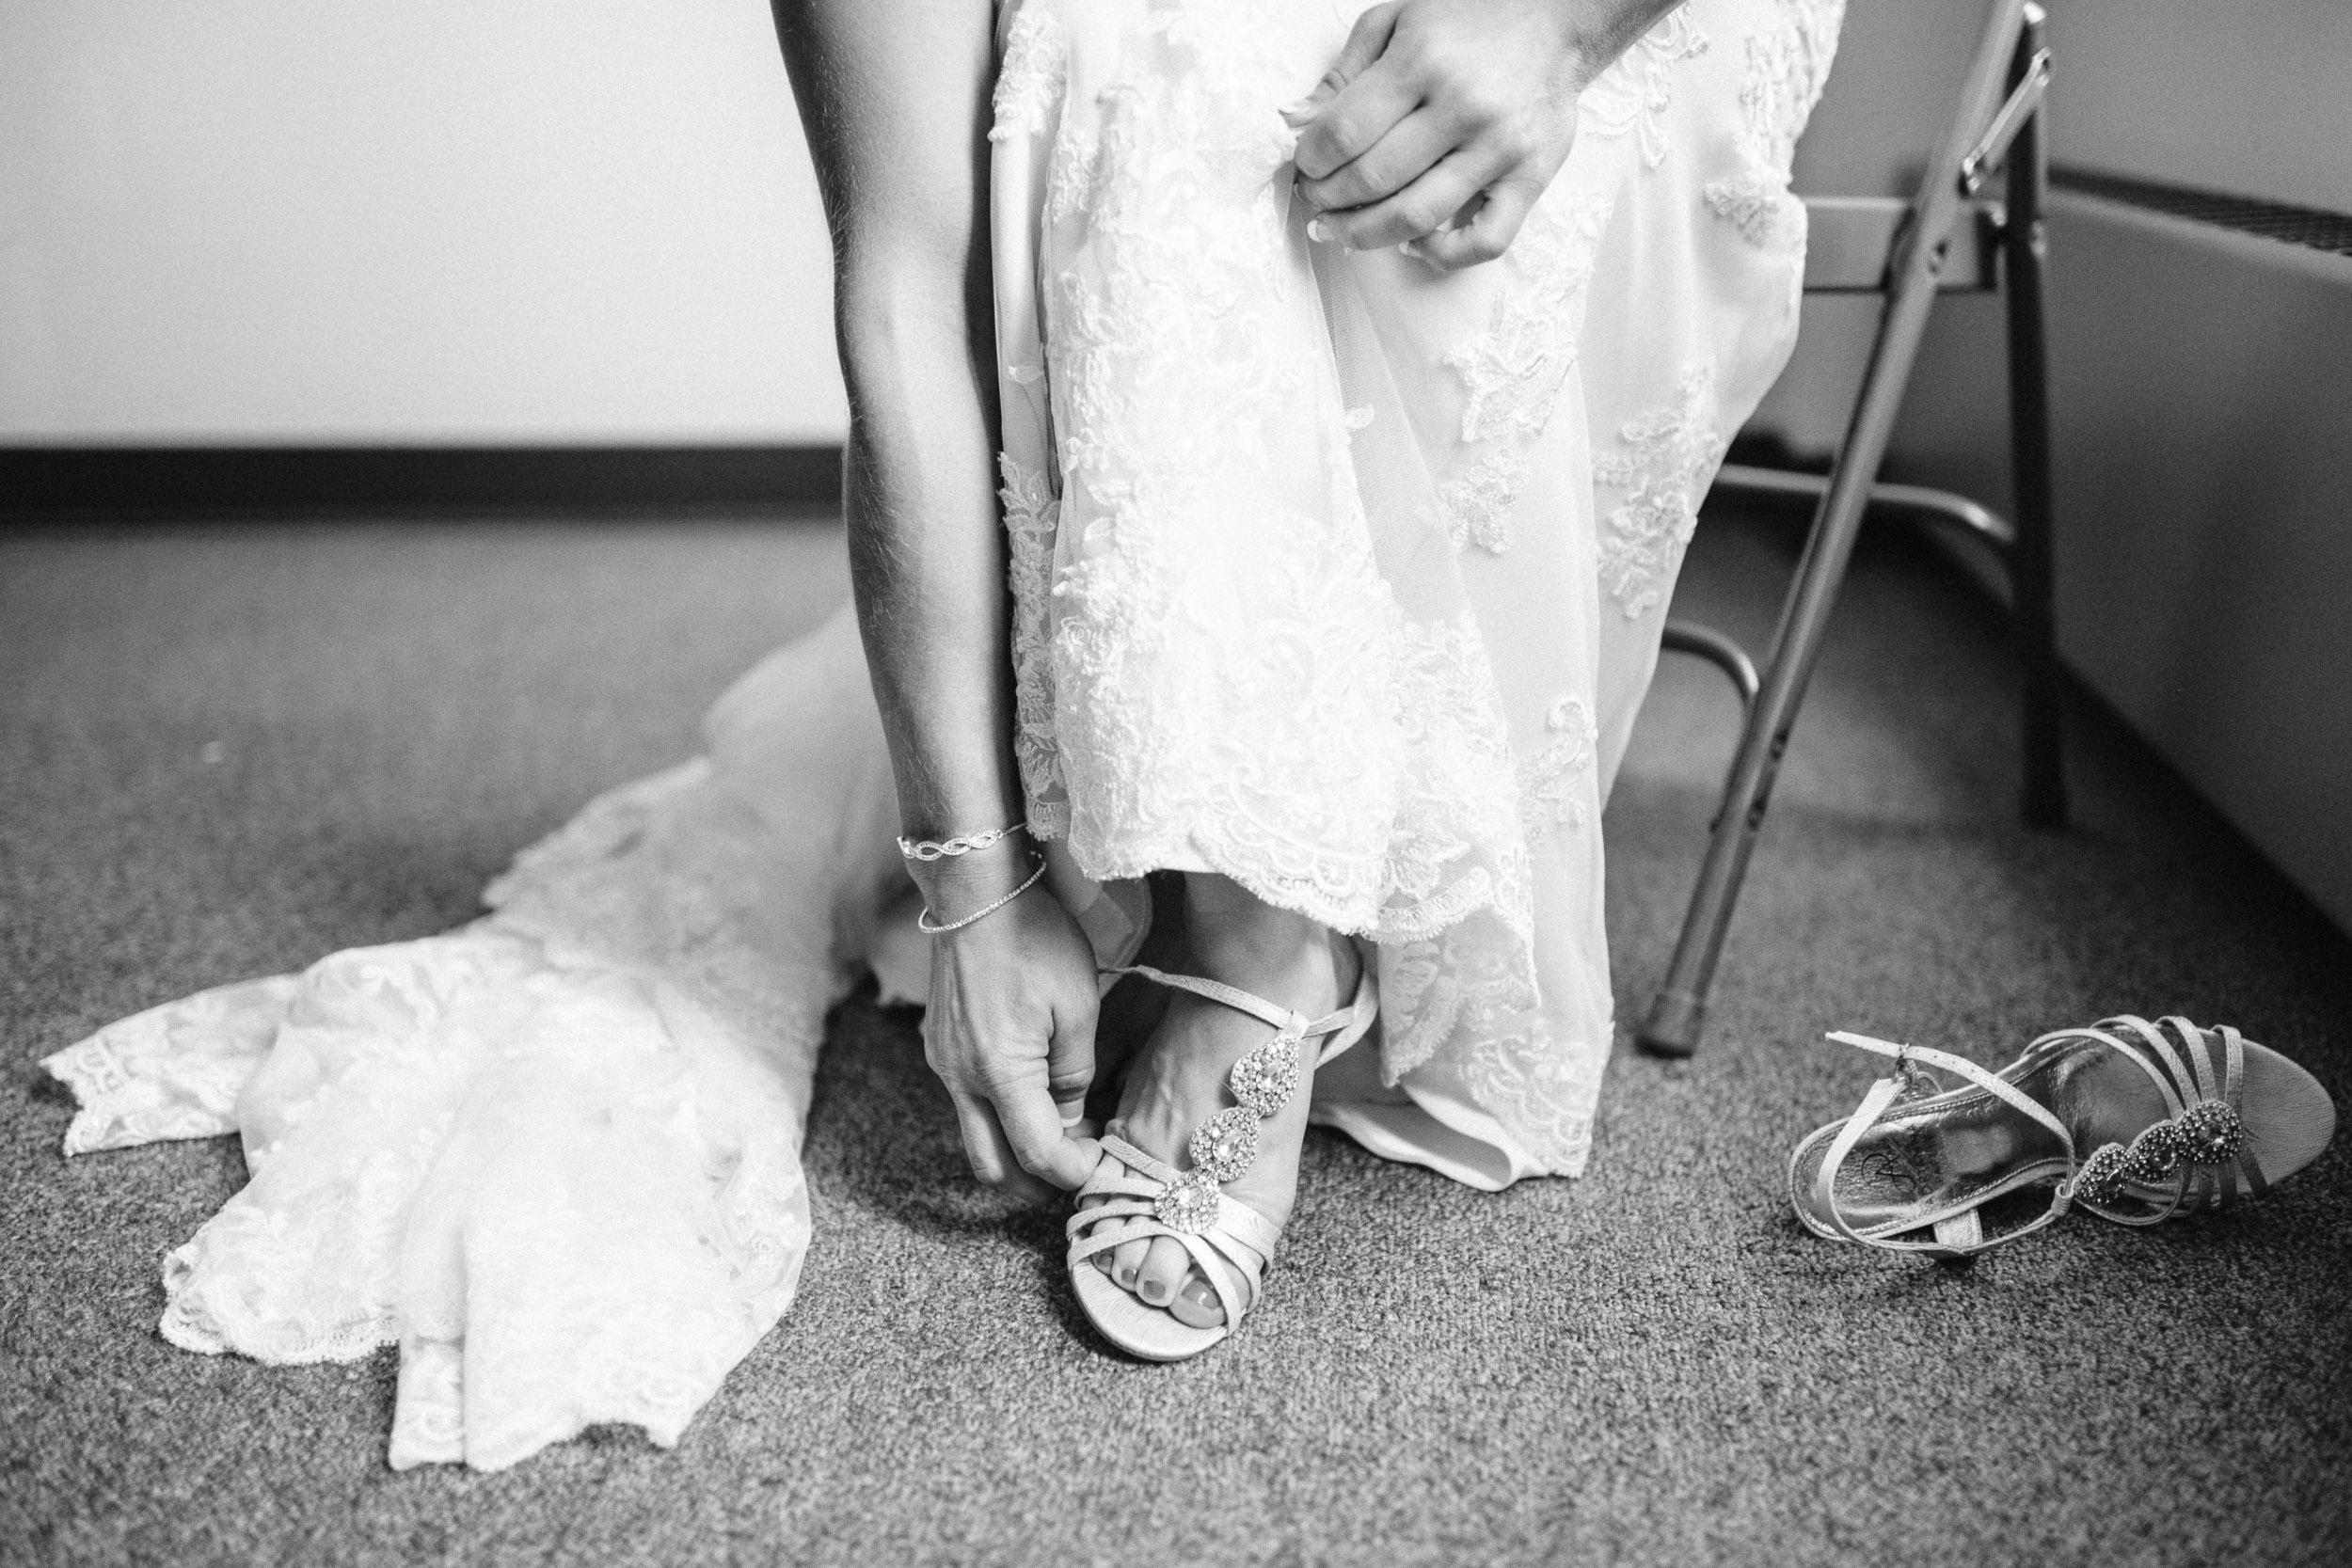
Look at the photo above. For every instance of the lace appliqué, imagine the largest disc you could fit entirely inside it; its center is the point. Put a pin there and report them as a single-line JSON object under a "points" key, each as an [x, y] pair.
{"points": [[1556, 782], [1453, 849], [1032, 516], [1664, 467], [1466, 987], [1029, 84], [1636, 92], [1512, 374], [1160, 315], [1543, 1092], [1759, 206], [1787, 66], [1475, 506], [173, 1071]]}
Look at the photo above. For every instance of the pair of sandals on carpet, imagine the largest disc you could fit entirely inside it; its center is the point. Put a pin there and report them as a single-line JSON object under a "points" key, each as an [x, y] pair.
{"points": [[2176, 1118]]}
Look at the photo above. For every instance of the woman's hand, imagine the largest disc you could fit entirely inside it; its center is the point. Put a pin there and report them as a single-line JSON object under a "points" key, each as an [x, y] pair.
{"points": [[1444, 120], [1010, 1028]]}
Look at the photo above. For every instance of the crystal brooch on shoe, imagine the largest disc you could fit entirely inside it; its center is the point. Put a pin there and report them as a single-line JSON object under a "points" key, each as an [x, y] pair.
{"points": [[2207, 1134], [1265, 1080], [1226, 1145], [1188, 1204]]}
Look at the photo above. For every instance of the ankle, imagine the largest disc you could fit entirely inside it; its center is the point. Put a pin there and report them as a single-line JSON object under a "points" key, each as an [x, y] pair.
{"points": [[1246, 942]]}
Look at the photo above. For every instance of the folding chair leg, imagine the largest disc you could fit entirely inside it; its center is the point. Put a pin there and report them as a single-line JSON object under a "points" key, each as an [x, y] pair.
{"points": [[1680, 1012], [2024, 250]]}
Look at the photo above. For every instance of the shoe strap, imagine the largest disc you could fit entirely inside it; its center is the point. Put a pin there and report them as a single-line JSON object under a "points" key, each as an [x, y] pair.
{"points": [[2000, 1088], [2105, 1033], [1123, 1220], [1232, 1215], [2188, 1078], [1349, 1023], [1954, 1239], [1241, 1237]]}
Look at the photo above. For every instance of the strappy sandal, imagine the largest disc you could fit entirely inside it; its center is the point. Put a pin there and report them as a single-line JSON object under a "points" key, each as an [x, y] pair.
{"points": [[1913, 1169], [1154, 1199]]}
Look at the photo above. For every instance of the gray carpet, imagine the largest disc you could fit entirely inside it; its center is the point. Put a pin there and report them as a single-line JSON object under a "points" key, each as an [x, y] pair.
{"points": [[225, 751]]}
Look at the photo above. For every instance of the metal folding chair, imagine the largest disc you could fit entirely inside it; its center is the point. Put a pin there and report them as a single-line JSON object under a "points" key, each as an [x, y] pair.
{"points": [[1950, 236]]}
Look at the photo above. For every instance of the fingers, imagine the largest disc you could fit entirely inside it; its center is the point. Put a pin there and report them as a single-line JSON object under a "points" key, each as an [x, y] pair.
{"points": [[1409, 151], [991, 1153], [1487, 234], [1041, 1144], [1366, 42], [1421, 208], [1357, 101], [1069, 1057]]}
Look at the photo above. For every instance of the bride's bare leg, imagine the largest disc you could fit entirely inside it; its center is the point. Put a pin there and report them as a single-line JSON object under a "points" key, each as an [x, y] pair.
{"points": [[1177, 1081]]}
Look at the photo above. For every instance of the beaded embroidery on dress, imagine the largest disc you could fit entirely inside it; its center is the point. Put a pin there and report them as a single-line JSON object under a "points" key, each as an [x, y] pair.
{"points": [[1308, 557]]}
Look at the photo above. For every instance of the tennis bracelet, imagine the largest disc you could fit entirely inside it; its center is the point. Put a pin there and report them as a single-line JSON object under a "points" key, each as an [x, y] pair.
{"points": [[929, 927]]}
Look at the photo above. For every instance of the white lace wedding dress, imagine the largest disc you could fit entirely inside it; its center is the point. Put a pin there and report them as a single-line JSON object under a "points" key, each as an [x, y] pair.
{"points": [[1331, 573]]}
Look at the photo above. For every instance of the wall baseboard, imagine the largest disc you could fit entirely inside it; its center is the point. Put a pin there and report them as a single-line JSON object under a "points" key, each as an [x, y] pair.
{"points": [[38, 482]]}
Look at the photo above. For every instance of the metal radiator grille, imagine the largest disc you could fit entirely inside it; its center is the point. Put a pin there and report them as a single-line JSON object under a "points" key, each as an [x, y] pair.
{"points": [[2309, 227]]}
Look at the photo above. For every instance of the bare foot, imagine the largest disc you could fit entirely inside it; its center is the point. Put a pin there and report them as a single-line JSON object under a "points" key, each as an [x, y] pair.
{"points": [[1177, 1077]]}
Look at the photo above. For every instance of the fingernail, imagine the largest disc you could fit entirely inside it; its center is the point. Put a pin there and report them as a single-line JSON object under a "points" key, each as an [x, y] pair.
{"points": [[1318, 230], [1302, 110], [1073, 1113]]}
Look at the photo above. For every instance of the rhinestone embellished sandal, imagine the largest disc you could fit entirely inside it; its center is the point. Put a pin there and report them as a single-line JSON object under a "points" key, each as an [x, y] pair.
{"points": [[1190, 1206], [2169, 1131]]}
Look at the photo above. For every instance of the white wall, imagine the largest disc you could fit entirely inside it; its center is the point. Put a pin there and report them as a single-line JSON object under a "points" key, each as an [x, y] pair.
{"points": [[406, 221], [2202, 381], [2247, 97], [520, 220]]}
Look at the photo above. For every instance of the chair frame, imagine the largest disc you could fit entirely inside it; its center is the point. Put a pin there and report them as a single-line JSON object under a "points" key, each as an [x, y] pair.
{"points": [[1948, 237]]}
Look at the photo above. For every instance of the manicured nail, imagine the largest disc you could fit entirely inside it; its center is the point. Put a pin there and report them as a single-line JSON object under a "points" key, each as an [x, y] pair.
{"points": [[1298, 113], [1203, 1294], [1126, 1278], [1318, 230], [1158, 1297], [1073, 1113]]}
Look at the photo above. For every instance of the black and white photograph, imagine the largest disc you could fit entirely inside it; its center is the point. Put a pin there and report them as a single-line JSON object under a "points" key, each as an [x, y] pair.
{"points": [[1053, 782]]}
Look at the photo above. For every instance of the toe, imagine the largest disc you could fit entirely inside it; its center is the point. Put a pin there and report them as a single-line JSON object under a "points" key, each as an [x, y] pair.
{"points": [[1127, 1261], [1196, 1305], [1163, 1271], [1100, 1259]]}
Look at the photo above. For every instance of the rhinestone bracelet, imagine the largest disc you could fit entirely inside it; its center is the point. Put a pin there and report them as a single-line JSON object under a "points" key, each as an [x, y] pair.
{"points": [[929, 927], [963, 843]]}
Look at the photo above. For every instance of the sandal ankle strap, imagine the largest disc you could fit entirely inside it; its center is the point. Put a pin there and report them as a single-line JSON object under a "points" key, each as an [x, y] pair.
{"points": [[1953, 1240], [1295, 1024]]}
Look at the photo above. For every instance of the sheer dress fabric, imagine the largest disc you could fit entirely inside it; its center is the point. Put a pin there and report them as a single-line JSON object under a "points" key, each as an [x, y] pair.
{"points": [[1332, 573]]}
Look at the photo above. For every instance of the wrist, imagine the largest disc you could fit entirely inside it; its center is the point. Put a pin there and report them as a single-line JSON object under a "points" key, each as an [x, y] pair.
{"points": [[1596, 32], [953, 887]]}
